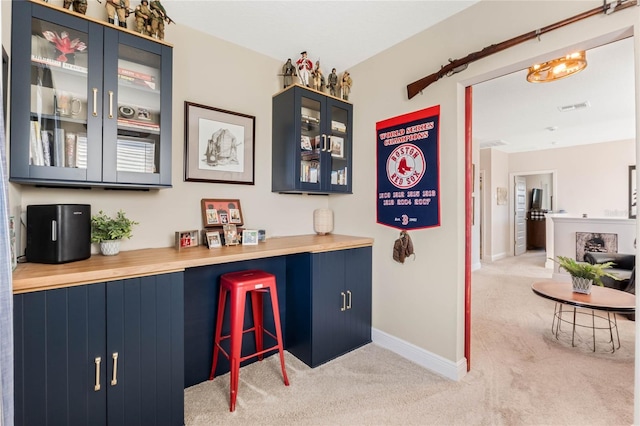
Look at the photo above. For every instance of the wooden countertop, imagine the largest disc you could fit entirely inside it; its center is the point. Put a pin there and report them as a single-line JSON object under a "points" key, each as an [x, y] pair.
{"points": [[136, 263]]}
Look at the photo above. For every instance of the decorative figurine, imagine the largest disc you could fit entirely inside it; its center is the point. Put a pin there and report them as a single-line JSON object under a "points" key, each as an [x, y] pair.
{"points": [[79, 6], [304, 68], [345, 85], [158, 18], [332, 82], [288, 72], [143, 18], [119, 8], [318, 78]]}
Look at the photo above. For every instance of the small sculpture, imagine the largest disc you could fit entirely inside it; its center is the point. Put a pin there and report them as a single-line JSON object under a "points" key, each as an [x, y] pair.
{"points": [[158, 18], [304, 68], [318, 78], [288, 72], [345, 85], [119, 8], [143, 18], [79, 6], [332, 83]]}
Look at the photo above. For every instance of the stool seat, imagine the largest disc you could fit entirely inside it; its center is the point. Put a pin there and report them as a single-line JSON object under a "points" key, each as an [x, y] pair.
{"points": [[238, 284]]}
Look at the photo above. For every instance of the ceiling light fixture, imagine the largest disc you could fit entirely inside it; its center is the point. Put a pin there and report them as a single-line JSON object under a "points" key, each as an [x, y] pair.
{"points": [[557, 68]]}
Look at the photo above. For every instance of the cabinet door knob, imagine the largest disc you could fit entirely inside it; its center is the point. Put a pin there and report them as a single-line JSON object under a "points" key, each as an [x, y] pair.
{"points": [[349, 302], [114, 378], [95, 102], [344, 301], [96, 387]]}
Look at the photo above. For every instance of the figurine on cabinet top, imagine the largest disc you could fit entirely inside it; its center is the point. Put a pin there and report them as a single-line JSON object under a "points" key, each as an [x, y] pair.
{"points": [[318, 78], [288, 72], [332, 82], [119, 8], [304, 68], [345, 85], [158, 18], [143, 18], [79, 6]]}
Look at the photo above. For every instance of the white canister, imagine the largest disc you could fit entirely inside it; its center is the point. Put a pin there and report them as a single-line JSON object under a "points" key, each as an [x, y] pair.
{"points": [[323, 221]]}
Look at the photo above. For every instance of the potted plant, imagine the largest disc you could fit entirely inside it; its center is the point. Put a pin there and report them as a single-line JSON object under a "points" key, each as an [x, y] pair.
{"points": [[584, 274], [108, 231]]}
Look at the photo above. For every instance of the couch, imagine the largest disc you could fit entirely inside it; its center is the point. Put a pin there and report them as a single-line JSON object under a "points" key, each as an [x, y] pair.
{"points": [[624, 268]]}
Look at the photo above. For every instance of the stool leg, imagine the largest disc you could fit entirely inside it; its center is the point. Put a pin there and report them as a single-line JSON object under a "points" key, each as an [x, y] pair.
{"points": [[238, 300], [216, 342], [257, 308], [276, 320]]}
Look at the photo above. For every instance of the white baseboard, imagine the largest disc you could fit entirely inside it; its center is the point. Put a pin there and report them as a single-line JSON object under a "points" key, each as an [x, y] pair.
{"points": [[426, 359], [476, 266], [498, 256]]}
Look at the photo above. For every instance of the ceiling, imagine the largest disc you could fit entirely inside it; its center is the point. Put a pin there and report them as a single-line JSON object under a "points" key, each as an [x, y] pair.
{"points": [[509, 113]]}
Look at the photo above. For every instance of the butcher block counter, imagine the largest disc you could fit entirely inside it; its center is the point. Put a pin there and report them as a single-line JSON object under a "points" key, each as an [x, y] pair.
{"points": [[29, 277]]}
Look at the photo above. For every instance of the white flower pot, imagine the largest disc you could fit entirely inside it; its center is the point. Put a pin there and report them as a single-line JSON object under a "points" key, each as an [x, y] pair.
{"points": [[581, 285], [110, 248]]}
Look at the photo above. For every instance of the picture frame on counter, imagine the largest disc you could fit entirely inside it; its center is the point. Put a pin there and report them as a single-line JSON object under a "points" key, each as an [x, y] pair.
{"points": [[186, 239], [213, 239], [250, 237], [219, 145], [230, 235], [217, 212]]}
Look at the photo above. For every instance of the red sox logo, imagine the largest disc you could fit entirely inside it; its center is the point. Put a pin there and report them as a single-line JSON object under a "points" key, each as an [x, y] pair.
{"points": [[405, 166]]}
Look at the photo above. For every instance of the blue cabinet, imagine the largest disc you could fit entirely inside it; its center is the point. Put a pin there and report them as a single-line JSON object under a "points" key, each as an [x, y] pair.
{"points": [[311, 142], [101, 354], [328, 304], [90, 104]]}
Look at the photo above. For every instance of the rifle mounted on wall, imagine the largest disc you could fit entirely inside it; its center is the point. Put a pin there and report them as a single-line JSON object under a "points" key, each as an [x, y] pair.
{"points": [[455, 66]]}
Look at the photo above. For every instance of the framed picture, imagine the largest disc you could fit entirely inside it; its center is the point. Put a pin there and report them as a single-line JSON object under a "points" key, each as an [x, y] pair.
{"points": [[337, 146], [213, 239], [187, 239], [230, 235], [633, 191], [250, 237], [219, 145], [219, 212]]}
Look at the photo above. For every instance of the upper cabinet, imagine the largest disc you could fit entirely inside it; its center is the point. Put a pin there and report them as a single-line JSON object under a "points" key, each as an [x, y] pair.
{"points": [[90, 103], [312, 142]]}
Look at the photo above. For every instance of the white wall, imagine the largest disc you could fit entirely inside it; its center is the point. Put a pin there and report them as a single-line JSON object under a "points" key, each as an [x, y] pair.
{"points": [[419, 303]]}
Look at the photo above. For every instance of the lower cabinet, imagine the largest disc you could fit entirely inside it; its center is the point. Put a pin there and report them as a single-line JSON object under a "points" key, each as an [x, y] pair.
{"points": [[101, 354], [328, 304]]}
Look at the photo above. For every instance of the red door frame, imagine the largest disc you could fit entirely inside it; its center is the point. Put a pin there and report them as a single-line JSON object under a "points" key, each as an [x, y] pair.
{"points": [[468, 221]]}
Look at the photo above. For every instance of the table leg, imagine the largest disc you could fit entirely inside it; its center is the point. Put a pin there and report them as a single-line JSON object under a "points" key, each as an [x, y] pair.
{"points": [[593, 328], [573, 333]]}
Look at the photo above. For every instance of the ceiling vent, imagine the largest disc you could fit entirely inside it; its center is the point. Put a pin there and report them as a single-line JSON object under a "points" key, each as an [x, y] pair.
{"points": [[493, 143], [574, 107]]}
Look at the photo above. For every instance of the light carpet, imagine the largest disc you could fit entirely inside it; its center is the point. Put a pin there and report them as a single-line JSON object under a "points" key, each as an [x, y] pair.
{"points": [[520, 374]]}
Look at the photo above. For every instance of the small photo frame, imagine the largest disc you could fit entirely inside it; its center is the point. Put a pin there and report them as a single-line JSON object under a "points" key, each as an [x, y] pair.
{"points": [[250, 237], [230, 235], [219, 212], [337, 146], [144, 114], [186, 239], [213, 239], [262, 235]]}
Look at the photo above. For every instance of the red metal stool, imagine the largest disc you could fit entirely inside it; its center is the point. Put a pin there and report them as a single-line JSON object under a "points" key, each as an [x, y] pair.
{"points": [[256, 283]]}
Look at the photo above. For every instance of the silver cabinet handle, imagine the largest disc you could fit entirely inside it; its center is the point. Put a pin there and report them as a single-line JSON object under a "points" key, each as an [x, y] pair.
{"points": [[343, 301], [349, 302], [110, 103], [97, 385], [95, 101], [54, 230], [114, 378]]}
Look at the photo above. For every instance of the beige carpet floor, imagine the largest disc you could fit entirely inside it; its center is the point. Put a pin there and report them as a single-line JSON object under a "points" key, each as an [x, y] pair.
{"points": [[521, 375]]}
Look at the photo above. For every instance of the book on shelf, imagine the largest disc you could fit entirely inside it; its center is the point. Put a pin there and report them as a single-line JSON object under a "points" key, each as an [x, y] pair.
{"points": [[136, 156], [309, 171], [137, 124], [58, 64], [58, 147], [137, 81], [70, 149], [36, 156], [46, 146], [136, 74], [305, 143], [338, 126], [81, 151]]}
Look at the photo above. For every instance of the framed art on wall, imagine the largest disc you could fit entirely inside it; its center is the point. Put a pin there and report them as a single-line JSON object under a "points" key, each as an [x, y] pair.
{"points": [[219, 212], [219, 145]]}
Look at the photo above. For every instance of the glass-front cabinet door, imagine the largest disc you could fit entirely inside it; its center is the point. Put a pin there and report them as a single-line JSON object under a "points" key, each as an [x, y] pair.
{"points": [[339, 149], [135, 91], [312, 144], [56, 142]]}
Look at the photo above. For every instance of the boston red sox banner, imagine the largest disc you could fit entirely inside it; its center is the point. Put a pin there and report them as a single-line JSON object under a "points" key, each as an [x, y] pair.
{"points": [[409, 170]]}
